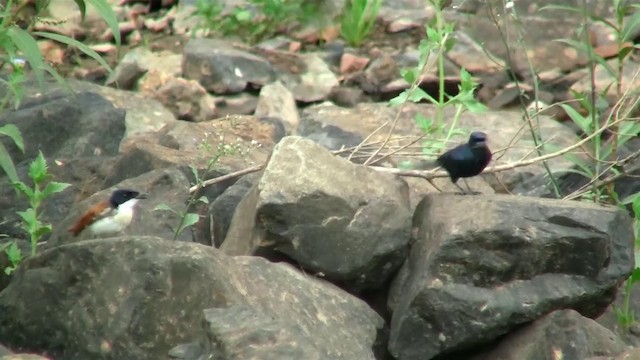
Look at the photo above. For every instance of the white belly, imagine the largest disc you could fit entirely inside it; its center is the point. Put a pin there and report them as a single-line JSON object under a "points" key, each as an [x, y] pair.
{"points": [[117, 223]]}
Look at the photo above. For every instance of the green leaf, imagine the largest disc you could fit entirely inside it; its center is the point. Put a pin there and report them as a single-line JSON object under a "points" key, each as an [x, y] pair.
{"points": [[29, 48], [635, 275], [203, 199], [59, 78], [189, 219], [584, 48], [29, 220], [196, 174], [630, 26], [636, 206], [38, 169], [164, 207], [83, 8], [400, 99], [622, 54], [6, 163], [433, 34], [475, 106], [23, 188], [77, 44], [13, 253], [13, 132], [106, 12], [418, 95], [42, 230], [582, 122], [409, 75], [54, 187]]}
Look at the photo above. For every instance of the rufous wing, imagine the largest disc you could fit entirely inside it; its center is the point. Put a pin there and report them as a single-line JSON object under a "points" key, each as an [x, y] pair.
{"points": [[91, 215]]}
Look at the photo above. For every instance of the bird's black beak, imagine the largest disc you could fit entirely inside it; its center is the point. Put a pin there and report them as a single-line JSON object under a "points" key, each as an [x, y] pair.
{"points": [[142, 196]]}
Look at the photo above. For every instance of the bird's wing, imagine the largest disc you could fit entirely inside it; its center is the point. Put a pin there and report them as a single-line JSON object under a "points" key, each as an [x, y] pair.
{"points": [[95, 213]]}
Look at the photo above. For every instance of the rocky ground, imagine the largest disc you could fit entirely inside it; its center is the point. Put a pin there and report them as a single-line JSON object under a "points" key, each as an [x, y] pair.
{"points": [[300, 252]]}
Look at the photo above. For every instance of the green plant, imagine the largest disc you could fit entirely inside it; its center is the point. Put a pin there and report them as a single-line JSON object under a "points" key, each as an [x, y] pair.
{"points": [[439, 40], [6, 163], [625, 314], [358, 19], [41, 190], [254, 21], [19, 44], [604, 165], [621, 128], [14, 255], [187, 218]]}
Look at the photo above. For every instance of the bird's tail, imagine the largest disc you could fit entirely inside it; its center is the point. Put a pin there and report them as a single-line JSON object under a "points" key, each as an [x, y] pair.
{"points": [[423, 164]]}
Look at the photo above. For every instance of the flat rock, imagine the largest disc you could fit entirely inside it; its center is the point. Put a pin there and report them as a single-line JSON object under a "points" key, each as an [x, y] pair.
{"points": [[235, 326], [223, 69], [192, 145], [142, 114]]}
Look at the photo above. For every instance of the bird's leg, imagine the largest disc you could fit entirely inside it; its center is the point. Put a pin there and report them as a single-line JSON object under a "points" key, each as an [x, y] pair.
{"points": [[471, 192], [464, 192]]}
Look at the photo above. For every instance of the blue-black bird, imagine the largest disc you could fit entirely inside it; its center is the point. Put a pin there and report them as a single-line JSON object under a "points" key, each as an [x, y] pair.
{"points": [[466, 160]]}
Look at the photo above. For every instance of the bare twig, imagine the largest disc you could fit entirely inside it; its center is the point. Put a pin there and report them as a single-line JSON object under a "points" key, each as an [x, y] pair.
{"points": [[423, 73], [585, 188], [430, 174], [226, 177], [355, 150]]}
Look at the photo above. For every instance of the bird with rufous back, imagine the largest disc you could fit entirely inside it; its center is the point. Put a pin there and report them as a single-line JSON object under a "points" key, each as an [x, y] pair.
{"points": [[110, 216]]}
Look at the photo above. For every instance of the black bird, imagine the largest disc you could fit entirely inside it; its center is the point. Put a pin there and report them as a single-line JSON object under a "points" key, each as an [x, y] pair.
{"points": [[466, 160]]}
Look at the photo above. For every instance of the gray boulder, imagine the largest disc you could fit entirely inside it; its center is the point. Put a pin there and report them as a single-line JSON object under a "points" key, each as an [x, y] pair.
{"points": [[139, 297], [332, 217], [483, 265]]}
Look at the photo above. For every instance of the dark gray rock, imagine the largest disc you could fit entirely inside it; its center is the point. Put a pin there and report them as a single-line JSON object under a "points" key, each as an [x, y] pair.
{"points": [[130, 69], [235, 326], [224, 206], [631, 354], [481, 266], [563, 334], [277, 101], [346, 221], [138, 297], [4, 351], [329, 136], [64, 125], [223, 69], [314, 83]]}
